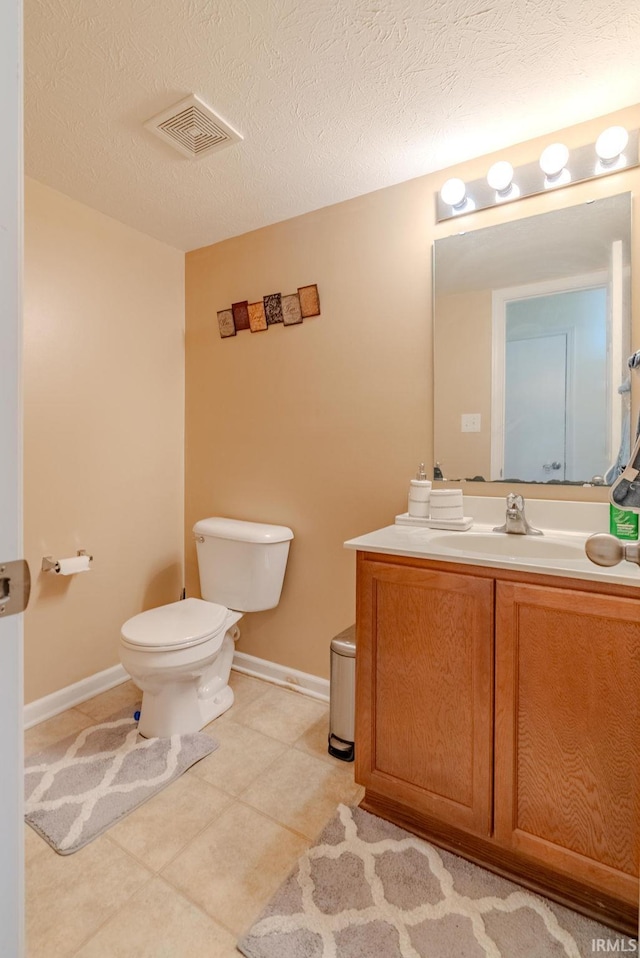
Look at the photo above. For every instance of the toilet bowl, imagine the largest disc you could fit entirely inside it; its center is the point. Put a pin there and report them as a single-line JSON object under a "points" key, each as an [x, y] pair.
{"points": [[180, 654]]}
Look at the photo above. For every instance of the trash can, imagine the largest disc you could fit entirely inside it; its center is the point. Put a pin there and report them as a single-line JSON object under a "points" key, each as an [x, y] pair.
{"points": [[342, 695]]}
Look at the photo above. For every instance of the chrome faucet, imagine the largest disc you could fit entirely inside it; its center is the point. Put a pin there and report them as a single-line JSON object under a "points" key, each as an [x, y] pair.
{"points": [[515, 519]]}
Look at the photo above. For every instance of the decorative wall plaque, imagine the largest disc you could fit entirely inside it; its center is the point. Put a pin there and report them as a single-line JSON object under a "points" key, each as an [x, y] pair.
{"points": [[309, 300], [273, 308], [257, 318], [225, 323], [240, 315], [291, 309]]}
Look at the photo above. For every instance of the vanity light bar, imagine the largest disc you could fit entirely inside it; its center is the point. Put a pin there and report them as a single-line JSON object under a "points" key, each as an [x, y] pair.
{"points": [[614, 150]]}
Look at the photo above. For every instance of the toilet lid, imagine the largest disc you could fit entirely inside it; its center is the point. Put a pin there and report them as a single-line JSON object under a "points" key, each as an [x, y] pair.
{"points": [[179, 625]]}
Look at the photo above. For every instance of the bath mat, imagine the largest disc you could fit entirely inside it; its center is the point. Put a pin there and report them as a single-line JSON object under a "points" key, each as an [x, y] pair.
{"points": [[84, 784], [369, 888]]}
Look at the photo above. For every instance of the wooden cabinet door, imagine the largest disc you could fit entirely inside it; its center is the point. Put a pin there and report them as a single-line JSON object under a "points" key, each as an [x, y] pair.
{"points": [[567, 787], [424, 699]]}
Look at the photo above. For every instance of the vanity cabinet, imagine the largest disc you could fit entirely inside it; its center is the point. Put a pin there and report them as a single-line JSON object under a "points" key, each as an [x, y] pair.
{"points": [[498, 715], [567, 761], [424, 662]]}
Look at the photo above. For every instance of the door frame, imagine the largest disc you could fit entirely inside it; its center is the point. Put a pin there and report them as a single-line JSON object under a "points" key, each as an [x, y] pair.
{"points": [[11, 668]]}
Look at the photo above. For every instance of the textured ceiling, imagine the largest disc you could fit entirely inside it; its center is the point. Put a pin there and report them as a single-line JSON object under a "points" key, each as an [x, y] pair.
{"points": [[334, 98], [568, 242]]}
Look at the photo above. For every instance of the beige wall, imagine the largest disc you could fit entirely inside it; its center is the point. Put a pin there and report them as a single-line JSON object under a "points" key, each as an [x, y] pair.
{"points": [[321, 426], [301, 425], [463, 335], [103, 431]]}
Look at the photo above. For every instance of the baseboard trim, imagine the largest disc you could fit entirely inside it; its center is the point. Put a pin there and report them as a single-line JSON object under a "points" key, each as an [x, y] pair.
{"points": [[311, 685], [45, 708], [50, 705]]}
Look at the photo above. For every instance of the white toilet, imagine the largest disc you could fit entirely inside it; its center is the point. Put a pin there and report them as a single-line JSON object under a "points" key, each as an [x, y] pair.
{"points": [[180, 654]]}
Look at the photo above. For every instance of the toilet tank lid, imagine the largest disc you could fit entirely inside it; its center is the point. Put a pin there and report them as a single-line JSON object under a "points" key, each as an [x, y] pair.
{"points": [[241, 530]]}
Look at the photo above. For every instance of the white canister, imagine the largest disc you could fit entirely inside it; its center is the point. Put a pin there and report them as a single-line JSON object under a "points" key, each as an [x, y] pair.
{"points": [[419, 493], [418, 509], [446, 504]]}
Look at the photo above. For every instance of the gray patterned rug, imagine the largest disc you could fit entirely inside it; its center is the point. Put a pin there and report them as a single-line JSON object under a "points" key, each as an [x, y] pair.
{"points": [[79, 787], [369, 889]]}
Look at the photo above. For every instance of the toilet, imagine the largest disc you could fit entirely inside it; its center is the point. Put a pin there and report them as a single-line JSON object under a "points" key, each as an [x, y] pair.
{"points": [[180, 654]]}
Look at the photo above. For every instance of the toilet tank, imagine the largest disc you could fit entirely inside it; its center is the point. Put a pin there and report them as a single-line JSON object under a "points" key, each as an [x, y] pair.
{"points": [[241, 563]]}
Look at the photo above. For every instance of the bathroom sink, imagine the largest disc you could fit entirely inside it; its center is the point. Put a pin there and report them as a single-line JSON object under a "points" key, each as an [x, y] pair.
{"points": [[510, 546], [561, 551]]}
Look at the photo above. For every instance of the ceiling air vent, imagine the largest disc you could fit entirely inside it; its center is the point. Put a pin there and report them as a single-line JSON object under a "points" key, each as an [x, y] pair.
{"points": [[193, 128]]}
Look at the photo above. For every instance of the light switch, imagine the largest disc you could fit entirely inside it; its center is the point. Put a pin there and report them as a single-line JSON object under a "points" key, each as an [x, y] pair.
{"points": [[470, 422]]}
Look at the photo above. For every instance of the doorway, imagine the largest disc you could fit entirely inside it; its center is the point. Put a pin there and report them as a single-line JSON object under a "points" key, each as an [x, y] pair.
{"points": [[552, 374], [535, 407]]}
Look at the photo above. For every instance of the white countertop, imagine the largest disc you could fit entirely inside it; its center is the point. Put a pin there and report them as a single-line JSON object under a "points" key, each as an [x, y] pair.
{"points": [[569, 530]]}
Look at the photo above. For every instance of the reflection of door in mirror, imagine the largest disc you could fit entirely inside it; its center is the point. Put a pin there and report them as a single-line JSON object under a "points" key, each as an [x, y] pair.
{"points": [[556, 382], [535, 434], [560, 284]]}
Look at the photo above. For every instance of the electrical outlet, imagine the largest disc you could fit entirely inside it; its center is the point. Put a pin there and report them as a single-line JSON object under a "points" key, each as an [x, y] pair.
{"points": [[470, 422]]}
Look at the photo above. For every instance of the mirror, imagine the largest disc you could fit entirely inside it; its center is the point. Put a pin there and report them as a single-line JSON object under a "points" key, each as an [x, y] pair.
{"points": [[532, 336]]}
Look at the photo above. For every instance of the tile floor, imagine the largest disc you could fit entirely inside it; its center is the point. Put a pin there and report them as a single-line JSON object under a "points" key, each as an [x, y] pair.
{"points": [[188, 872]]}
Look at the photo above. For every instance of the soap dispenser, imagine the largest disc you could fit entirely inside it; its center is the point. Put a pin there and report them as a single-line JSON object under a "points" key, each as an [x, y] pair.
{"points": [[419, 493]]}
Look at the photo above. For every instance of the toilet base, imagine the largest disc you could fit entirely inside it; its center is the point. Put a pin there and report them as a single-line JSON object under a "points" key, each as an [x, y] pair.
{"points": [[180, 711]]}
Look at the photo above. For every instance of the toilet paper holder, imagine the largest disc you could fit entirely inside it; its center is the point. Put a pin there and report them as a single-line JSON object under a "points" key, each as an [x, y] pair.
{"points": [[49, 564]]}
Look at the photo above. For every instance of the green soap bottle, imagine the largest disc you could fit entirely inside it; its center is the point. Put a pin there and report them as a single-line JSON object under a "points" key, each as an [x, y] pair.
{"points": [[623, 523]]}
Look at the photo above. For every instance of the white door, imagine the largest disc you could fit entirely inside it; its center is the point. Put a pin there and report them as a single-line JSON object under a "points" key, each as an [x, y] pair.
{"points": [[535, 410], [11, 825]]}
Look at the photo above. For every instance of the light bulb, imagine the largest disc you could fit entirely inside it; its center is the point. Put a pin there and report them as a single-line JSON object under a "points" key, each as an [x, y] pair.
{"points": [[554, 159], [454, 192], [500, 176], [611, 143], [560, 179], [511, 193]]}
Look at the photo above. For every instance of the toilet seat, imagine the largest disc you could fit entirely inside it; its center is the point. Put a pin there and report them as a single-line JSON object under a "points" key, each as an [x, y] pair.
{"points": [[178, 625]]}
